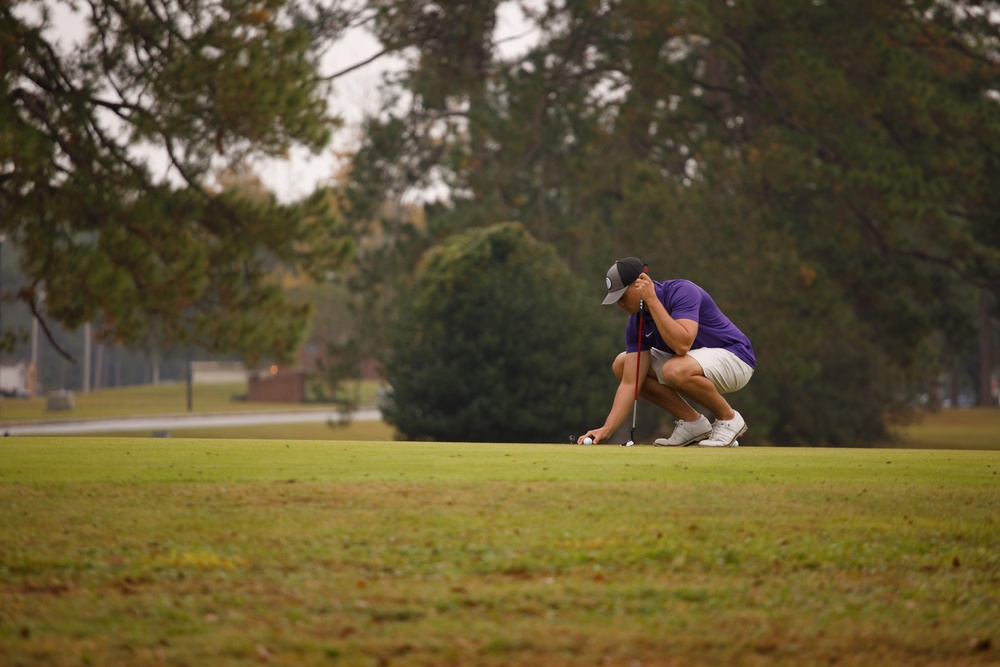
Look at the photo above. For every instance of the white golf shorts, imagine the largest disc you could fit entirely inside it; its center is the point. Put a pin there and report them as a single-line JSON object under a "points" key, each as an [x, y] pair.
{"points": [[725, 369]]}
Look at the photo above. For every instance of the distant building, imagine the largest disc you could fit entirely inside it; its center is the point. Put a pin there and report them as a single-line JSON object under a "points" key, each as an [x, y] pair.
{"points": [[277, 385], [17, 379], [218, 372]]}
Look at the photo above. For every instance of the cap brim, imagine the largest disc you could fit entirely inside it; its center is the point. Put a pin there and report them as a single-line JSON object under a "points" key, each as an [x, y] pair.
{"points": [[612, 297]]}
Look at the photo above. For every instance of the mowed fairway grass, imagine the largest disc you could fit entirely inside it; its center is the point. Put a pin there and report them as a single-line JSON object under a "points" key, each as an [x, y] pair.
{"points": [[141, 551]]}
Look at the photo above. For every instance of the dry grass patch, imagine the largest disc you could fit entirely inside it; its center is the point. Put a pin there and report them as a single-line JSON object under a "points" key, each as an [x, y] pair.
{"points": [[563, 556]]}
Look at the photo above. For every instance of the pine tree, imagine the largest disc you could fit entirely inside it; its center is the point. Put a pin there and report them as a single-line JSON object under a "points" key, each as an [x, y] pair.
{"points": [[107, 152]]}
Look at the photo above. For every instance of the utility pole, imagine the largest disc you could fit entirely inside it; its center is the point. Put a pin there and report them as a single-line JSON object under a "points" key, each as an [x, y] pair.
{"points": [[190, 381], [86, 358]]}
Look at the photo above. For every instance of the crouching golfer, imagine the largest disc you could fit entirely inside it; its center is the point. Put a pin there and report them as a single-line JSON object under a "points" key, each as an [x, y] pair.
{"points": [[689, 349]]}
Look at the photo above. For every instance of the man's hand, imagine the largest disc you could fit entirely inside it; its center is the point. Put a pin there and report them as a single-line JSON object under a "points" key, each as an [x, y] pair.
{"points": [[645, 288]]}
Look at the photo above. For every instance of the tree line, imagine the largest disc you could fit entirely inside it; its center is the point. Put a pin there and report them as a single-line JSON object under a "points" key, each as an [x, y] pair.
{"points": [[826, 170]]}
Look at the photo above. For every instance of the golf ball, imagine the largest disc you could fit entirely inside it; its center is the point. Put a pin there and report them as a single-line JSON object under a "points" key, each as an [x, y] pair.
{"points": [[588, 440]]}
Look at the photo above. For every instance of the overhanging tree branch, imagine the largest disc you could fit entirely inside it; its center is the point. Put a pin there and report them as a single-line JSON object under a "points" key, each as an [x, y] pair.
{"points": [[29, 296], [358, 65]]}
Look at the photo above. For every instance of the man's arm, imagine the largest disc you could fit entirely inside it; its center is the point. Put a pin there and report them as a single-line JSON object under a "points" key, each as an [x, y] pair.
{"points": [[624, 398], [678, 334]]}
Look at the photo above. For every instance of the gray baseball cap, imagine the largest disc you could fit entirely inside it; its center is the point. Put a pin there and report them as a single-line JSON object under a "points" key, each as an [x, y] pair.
{"points": [[622, 274]]}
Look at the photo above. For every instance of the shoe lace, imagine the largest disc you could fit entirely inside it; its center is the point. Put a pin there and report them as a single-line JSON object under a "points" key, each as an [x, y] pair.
{"points": [[723, 425]]}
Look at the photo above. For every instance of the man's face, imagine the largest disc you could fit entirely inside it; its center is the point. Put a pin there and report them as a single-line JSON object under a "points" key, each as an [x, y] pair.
{"points": [[629, 301]]}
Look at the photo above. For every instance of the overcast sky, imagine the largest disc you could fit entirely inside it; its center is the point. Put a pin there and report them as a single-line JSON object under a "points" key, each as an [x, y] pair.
{"points": [[355, 95]]}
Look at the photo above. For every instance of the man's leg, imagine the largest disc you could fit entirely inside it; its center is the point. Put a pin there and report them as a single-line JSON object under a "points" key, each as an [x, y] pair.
{"points": [[659, 394], [684, 375]]}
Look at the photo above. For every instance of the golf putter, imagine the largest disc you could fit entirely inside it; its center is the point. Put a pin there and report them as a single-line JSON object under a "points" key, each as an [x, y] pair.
{"points": [[638, 357]]}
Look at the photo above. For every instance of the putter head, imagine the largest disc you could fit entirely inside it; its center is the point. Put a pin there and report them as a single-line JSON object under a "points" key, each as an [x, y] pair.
{"points": [[628, 444]]}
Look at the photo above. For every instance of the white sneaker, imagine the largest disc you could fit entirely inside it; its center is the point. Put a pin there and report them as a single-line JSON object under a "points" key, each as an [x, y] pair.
{"points": [[724, 433], [686, 433]]}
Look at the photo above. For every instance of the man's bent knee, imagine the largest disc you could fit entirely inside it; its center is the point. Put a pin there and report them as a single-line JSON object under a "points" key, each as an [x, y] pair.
{"points": [[678, 370], [618, 366]]}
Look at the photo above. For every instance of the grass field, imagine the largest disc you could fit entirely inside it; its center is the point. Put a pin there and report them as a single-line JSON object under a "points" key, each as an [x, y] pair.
{"points": [[167, 399], [977, 428], [368, 431], [161, 399], [968, 428], [138, 551], [950, 429]]}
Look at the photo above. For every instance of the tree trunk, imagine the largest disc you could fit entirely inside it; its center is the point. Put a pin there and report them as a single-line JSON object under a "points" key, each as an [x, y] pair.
{"points": [[954, 385], [987, 350]]}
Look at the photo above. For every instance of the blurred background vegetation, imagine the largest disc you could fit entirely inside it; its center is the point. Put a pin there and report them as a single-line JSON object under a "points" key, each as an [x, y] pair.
{"points": [[826, 170]]}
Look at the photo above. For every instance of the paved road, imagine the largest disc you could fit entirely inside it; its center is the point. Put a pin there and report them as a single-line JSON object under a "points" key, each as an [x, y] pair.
{"points": [[165, 423]]}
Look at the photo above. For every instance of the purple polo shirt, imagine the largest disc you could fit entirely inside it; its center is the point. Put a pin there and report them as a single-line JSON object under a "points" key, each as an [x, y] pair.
{"points": [[686, 301]]}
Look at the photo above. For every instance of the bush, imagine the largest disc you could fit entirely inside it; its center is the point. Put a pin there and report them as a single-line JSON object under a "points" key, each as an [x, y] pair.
{"points": [[498, 343]]}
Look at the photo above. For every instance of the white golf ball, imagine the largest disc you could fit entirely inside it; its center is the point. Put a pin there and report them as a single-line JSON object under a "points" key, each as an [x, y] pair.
{"points": [[588, 440]]}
